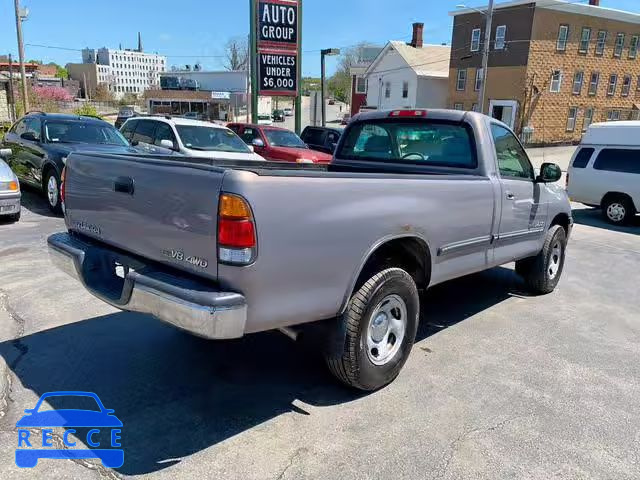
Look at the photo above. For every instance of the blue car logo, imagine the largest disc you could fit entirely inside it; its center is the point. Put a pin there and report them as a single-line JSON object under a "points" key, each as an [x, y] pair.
{"points": [[68, 418]]}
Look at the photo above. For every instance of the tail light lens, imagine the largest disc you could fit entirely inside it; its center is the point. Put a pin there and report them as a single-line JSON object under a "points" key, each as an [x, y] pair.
{"points": [[237, 243]]}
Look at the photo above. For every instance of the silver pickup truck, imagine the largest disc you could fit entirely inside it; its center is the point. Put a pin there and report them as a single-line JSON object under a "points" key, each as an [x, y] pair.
{"points": [[413, 198]]}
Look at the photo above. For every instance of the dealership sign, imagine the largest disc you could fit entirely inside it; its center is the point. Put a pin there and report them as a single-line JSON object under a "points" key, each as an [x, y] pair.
{"points": [[278, 48]]}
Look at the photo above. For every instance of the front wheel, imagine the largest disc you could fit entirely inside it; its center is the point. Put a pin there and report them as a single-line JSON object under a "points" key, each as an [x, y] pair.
{"points": [[52, 190], [380, 322], [542, 272]]}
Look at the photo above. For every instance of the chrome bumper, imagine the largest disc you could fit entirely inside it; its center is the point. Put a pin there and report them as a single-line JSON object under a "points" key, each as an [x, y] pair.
{"points": [[190, 305]]}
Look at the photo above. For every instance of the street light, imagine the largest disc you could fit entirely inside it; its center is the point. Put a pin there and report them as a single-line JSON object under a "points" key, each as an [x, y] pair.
{"points": [[324, 53], [485, 50]]}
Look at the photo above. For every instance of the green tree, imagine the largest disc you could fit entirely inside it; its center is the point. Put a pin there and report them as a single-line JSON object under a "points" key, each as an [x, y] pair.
{"points": [[61, 72], [339, 84]]}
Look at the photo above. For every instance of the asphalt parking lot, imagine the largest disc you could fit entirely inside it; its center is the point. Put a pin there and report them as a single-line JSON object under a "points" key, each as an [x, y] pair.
{"points": [[499, 384]]}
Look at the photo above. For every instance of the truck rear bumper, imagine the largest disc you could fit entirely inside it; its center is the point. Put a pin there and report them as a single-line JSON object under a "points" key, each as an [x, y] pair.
{"points": [[130, 284]]}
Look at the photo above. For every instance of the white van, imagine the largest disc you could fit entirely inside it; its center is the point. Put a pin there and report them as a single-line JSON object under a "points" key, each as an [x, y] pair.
{"points": [[605, 170]]}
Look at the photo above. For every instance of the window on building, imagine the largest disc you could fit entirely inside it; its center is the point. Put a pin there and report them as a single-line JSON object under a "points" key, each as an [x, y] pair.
{"points": [[387, 90], [461, 81], [556, 81], [617, 51], [593, 83], [585, 38], [633, 47], [405, 89], [601, 42], [478, 82], [638, 84], [563, 36], [613, 115], [458, 106], [613, 82], [475, 39], [474, 107], [588, 118], [577, 83], [361, 84], [571, 119], [626, 85], [501, 33]]}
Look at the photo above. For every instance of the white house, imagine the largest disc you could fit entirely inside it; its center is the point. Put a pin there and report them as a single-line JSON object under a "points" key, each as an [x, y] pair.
{"points": [[411, 75]]}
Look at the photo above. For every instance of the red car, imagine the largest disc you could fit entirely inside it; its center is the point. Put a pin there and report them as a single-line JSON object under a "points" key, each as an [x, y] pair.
{"points": [[277, 144]]}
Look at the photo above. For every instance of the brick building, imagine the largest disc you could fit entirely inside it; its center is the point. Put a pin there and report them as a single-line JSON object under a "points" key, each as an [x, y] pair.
{"points": [[554, 66]]}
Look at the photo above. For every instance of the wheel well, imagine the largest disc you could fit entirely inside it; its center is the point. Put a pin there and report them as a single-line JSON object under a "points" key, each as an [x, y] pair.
{"points": [[409, 253], [561, 219], [612, 195]]}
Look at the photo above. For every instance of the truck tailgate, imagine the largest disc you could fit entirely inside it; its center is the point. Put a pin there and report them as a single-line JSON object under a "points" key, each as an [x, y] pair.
{"points": [[161, 210]]}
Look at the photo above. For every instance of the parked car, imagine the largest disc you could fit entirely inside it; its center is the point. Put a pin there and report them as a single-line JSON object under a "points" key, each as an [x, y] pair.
{"points": [[265, 119], [193, 138], [9, 190], [278, 116], [40, 143], [124, 114], [278, 144], [195, 116], [605, 170], [412, 199], [346, 118], [332, 101], [322, 139], [288, 112]]}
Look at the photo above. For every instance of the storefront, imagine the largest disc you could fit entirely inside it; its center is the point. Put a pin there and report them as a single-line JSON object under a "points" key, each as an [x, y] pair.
{"points": [[222, 106]]}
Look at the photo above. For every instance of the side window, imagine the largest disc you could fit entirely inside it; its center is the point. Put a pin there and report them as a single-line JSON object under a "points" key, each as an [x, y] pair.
{"points": [[332, 137], [313, 136], [618, 160], [128, 128], [144, 132], [20, 127], [512, 160], [164, 132], [249, 134], [33, 125], [582, 158], [235, 128]]}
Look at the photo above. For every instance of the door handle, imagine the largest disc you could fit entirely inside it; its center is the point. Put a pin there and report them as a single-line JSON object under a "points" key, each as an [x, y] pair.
{"points": [[123, 185], [510, 196]]}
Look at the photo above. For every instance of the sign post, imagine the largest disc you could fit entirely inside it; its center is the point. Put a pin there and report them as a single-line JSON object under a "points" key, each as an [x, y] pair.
{"points": [[275, 51]]}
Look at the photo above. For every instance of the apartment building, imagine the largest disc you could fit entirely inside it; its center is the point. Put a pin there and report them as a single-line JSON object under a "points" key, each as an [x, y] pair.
{"points": [[554, 66], [122, 70]]}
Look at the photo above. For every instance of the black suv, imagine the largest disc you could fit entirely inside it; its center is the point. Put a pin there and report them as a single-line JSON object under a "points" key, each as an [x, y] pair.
{"points": [[40, 143], [321, 139]]}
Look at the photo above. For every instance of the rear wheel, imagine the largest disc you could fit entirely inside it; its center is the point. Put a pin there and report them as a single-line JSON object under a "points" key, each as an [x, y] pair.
{"points": [[52, 191], [380, 324], [617, 209], [542, 272]]}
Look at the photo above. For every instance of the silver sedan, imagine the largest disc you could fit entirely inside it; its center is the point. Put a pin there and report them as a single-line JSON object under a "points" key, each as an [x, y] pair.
{"points": [[9, 189]]}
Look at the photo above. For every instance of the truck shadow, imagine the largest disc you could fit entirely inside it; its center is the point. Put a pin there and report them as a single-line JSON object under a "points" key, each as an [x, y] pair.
{"points": [[592, 217], [177, 395]]}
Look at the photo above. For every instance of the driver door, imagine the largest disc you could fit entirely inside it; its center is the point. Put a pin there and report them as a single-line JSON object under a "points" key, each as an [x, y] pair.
{"points": [[523, 217]]}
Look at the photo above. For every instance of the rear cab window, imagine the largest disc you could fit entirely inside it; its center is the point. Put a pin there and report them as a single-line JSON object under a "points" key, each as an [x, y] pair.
{"points": [[417, 142], [582, 157]]}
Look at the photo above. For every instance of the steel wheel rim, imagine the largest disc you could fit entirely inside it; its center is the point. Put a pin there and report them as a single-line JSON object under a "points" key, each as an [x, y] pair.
{"points": [[616, 212], [52, 191], [386, 329], [555, 260]]}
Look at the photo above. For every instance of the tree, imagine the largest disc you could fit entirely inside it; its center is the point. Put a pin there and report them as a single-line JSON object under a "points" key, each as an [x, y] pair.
{"points": [[339, 84], [61, 72], [103, 94], [237, 54]]}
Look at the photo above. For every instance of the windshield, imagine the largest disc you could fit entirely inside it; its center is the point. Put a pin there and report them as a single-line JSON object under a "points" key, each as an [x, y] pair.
{"points": [[420, 142], [211, 139], [284, 138], [81, 132]]}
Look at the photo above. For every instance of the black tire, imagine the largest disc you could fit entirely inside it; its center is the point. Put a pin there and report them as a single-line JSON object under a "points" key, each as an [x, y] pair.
{"points": [[617, 209], [57, 206], [352, 365], [542, 272], [15, 217]]}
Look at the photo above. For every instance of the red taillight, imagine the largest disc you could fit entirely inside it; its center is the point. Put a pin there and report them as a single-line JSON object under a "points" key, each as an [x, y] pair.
{"points": [[62, 183], [408, 113], [236, 233]]}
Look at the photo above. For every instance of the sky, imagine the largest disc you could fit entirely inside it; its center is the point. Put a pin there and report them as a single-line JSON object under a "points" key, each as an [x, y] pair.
{"points": [[188, 31]]}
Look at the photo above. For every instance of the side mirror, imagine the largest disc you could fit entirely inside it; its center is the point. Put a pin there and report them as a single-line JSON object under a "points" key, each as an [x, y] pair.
{"points": [[257, 142], [549, 173], [165, 143], [251, 148], [30, 136], [5, 152]]}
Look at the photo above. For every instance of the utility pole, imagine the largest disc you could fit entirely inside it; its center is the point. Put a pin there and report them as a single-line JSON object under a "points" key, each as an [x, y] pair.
{"points": [[298, 98], [323, 105], [485, 57], [23, 75], [12, 98], [253, 59]]}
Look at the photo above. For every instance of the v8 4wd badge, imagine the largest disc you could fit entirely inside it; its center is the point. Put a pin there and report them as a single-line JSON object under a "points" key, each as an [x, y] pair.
{"points": [[180, 256]]}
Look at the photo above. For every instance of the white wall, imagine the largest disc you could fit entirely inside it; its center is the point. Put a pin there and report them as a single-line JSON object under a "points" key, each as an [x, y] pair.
{"points": [[391, 68], [432, 93]]}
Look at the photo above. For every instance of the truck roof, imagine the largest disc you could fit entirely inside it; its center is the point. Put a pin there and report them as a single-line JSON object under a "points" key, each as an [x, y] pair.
{"points": [[431, 113], [613, 133]]}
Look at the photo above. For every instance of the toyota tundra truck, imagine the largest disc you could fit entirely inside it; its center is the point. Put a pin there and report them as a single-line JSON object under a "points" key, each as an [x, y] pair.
{"points": [[412, 198]]}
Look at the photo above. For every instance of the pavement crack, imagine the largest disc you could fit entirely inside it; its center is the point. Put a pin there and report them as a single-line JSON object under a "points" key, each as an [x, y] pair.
{"points": [[292, 460], [20, 322]]}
